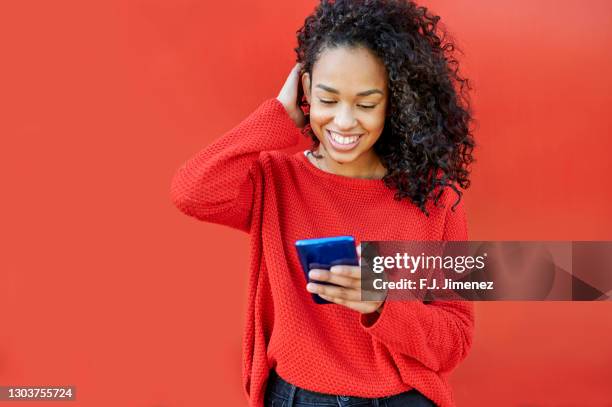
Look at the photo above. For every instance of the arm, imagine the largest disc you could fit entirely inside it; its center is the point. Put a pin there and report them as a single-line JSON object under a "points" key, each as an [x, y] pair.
{"points": [[437, 334], [218, 183]]}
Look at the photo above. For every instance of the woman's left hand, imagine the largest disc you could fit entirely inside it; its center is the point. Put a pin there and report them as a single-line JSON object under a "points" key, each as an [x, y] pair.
{"points": [[349, 292]]}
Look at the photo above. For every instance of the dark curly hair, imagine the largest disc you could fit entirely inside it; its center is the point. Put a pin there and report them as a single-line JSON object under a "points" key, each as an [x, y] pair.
{"points": [[426, 145]]}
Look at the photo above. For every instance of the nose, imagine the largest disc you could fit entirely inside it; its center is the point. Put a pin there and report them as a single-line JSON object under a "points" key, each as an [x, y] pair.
{"points": [[344, 119]]}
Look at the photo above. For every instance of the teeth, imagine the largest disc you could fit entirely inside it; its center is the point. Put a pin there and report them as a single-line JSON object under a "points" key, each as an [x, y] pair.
{"points": [[343, 140]]}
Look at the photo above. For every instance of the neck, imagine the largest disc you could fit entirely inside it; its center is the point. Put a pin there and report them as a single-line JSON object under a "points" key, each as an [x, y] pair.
{"points": [[367, 165]]}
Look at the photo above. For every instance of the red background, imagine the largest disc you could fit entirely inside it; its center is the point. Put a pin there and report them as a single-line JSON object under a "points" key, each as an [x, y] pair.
{"points": [[106, 286]]}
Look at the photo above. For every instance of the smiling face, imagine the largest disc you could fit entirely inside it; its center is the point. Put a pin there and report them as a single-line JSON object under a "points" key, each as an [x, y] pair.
{"points": [[348, 100]]}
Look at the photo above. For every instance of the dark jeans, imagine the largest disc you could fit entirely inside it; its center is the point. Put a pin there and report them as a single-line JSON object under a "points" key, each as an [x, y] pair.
{"points": [[280, 393]]}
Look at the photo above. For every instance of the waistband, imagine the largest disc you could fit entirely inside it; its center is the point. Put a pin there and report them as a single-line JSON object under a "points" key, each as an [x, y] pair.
{"points": [[294, 394]]}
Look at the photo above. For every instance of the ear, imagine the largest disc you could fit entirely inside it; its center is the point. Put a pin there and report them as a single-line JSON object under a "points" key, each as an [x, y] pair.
{"points": [[306, 85]]}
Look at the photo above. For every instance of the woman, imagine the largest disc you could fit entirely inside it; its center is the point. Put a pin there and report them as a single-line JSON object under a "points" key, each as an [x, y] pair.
{"points": [[387, 113]]}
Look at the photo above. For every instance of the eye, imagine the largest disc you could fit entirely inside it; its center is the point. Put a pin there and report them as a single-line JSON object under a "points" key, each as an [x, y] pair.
{"points": [[327, 102], [367, 106]]}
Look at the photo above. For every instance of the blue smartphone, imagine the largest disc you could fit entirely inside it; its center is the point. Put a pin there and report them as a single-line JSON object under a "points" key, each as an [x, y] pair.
{"points": [[323, 253]]}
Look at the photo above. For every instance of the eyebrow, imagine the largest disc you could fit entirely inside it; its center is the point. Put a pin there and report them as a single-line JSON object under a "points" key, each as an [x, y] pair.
{"points": [[364, 93]]}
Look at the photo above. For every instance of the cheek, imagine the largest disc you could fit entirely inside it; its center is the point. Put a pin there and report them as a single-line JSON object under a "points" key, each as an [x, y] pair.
{"points": [[374, 123], [319, 118], [321, 115]]}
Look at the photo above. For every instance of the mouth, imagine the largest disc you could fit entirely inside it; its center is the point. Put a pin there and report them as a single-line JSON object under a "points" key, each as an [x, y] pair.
{"points": [[342, 142]]}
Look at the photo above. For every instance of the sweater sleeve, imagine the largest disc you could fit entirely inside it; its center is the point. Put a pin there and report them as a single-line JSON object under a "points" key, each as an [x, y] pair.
{"points": [[437, 334], [218, 184]]}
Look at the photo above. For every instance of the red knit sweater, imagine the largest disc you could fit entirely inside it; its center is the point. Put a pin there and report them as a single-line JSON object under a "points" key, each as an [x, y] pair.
{"points": [[241, 181]]}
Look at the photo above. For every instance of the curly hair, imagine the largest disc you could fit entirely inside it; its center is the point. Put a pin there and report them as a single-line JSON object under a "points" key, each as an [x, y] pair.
{"points": [[426, 144]]}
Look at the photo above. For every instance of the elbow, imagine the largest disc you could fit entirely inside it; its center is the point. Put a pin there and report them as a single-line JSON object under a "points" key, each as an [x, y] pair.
{"points": [[178, 195], [461, 348], [466, 327], [193, 203], [181, 196], [189, 206], [466, 338], [181, 202]]}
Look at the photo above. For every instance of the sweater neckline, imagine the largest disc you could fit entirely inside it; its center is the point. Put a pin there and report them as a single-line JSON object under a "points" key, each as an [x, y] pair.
{"points": [[341, 179]]}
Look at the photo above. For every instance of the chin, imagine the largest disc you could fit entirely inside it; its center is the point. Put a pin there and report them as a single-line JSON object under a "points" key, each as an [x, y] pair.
{"points": [[342, 158]]}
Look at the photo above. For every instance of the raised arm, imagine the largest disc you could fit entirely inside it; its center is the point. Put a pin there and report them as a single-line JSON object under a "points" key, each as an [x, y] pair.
{"points": [[218, 183]]}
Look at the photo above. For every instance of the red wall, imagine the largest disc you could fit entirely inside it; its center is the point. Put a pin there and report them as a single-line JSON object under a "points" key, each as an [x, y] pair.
{"points": [[106, 286]]}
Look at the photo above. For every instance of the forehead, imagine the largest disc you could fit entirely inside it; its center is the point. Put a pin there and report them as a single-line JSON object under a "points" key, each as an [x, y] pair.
{"points": [[349, 69]]}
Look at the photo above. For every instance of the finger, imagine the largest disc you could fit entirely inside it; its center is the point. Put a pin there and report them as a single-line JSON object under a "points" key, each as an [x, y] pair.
{"points": [[360, 306], [346, 271], [333, 291], [373, 295], [294, 74], [324, 275], [336, 300], [294, 77], [289, 89]]}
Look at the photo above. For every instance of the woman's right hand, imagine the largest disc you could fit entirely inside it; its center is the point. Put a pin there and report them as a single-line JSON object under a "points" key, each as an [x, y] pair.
{"points": [[288, 96]]}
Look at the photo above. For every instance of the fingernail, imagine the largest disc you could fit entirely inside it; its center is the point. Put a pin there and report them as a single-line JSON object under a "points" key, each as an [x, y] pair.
{"points": [[310, 287], [314, 274]]}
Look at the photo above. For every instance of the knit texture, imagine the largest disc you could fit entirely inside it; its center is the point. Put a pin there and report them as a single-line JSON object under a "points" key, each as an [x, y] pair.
{"points": [[242, 181]]}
